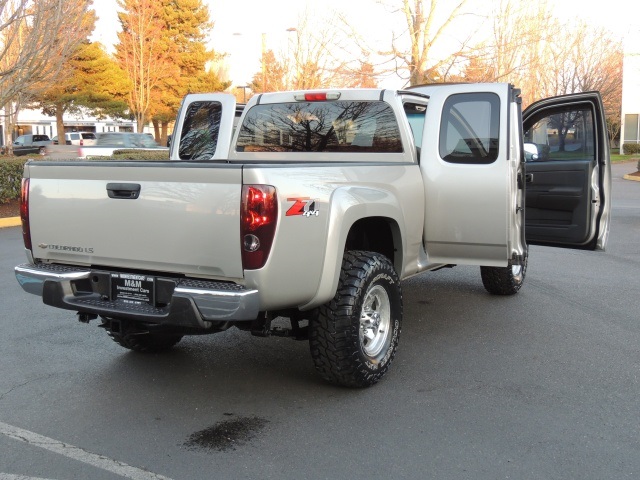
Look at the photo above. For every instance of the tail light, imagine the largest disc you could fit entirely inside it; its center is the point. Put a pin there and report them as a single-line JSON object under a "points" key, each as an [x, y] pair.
{"points": [[24, 213], [81, 142], [258, 224]]}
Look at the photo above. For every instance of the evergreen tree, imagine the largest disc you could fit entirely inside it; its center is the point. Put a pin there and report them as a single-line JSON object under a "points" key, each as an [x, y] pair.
{"points": [[186, 28], [92, 80]]}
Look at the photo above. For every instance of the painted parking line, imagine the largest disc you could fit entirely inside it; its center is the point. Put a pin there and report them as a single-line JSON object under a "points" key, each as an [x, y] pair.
{"points": [[77, 453], [8, 476]]}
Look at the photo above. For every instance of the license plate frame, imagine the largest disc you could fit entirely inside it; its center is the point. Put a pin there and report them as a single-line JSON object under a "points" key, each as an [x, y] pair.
{"points": [[133, 288]]}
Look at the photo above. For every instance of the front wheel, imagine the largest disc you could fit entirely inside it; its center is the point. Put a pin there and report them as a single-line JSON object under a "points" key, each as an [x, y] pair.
{"points": [[42, 151], [505, 280], [354, 337]]}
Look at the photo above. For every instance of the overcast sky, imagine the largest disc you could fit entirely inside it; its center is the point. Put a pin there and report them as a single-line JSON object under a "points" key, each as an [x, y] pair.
{"points": [[239, 25]]}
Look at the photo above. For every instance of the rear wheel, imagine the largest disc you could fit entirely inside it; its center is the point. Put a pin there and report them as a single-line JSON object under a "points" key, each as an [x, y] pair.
{"points": [[354, 337], [128, 335], [504, 280]]}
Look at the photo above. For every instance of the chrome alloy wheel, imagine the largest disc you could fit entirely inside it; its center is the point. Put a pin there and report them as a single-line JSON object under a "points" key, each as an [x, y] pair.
{"points": [[375, 321], [516, 271]]}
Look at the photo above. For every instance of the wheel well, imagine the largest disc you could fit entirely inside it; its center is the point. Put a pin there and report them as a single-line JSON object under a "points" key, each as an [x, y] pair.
{"points": [[377, 234]]}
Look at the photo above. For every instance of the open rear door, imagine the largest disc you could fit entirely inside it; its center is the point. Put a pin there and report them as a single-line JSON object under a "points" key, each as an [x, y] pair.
{"points": [[469, 163], [568, 172]]}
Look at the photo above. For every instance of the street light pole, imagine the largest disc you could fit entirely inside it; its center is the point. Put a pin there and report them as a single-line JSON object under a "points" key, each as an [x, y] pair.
{"points": [[264, 67]]}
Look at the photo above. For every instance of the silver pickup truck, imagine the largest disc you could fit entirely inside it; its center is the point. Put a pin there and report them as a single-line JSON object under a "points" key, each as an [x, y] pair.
{"points": [[301, 214]]}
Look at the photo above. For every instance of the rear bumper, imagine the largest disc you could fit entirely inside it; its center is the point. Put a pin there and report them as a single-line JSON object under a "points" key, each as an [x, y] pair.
{"points": [[187, 303]]}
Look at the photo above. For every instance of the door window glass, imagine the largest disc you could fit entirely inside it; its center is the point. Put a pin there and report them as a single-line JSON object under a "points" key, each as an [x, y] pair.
{"points": [[566, 134], [200, 129], [469, 132]]}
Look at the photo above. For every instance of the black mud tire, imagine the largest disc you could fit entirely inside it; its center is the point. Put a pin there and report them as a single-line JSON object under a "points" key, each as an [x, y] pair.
{"points": [[354, 337], [140, 340], [504, 280]]}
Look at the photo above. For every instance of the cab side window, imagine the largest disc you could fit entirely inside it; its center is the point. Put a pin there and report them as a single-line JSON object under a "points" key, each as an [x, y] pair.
{"points": [[199, 136]]}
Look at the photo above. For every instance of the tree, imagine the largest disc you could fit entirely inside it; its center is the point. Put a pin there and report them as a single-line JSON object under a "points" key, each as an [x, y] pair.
{"points": [[313, 59], [36, 39], [426, 24], [364, 76], [186, 24], [587, 59], [143, 53], [273, 75], [92, 80]]}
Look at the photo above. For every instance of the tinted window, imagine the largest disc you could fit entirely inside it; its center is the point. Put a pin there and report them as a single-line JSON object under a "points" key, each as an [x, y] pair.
{"points": [[469, 131], [88, 136], [320, 127], [565, 135], [199, 136], [415, 114]]}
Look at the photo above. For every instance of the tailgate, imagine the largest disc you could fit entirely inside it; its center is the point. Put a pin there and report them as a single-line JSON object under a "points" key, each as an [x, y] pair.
{"points": [[184, 219]]}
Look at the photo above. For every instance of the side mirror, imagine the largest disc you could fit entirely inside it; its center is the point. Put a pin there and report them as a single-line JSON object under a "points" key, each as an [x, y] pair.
{"points": [[531, 152]]}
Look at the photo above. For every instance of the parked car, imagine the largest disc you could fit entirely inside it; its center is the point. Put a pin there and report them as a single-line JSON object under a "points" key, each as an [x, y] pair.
{"points": [[26, 144], [125, 140], [77, 138]]}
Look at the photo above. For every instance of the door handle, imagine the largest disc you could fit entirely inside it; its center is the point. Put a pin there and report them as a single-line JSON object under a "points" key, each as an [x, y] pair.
{"points": [[129, 191], [528, 178]]}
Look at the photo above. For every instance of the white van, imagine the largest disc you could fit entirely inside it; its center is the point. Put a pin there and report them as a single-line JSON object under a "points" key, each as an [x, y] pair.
{"points": [[78, 138]]}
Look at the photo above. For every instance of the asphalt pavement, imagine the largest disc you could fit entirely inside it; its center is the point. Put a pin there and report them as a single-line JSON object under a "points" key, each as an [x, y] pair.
{"points": [[540, 385]]}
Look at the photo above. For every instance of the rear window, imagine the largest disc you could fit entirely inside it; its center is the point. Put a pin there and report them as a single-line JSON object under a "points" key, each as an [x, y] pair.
{"points": [[88, 136], [341, 126], [40, 138]]}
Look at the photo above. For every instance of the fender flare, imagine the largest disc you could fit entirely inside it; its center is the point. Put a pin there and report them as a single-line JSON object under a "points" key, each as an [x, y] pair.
{"points": [[347, 206]]}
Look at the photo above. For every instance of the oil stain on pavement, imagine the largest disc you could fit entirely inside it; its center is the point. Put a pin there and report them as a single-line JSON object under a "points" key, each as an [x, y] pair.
{"points": [[227, 434]]}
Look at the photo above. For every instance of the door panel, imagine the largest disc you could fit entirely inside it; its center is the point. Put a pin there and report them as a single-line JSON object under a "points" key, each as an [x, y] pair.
{"points": [[558, 201], [567, 172]]}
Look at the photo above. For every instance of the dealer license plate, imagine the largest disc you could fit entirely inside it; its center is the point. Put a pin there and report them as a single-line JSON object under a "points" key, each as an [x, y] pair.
{"points": [[133, 288]]}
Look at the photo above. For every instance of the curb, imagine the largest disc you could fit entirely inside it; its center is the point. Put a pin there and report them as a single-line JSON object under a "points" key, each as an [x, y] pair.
{"points": [[629, 177], [10, 222]]}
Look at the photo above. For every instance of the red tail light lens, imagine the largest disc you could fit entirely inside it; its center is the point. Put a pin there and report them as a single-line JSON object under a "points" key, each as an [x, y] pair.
{"points": [[24, 213], [258, 224]]}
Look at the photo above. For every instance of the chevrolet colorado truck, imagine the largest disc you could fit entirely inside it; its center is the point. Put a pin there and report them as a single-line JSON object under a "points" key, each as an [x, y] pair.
{"points": [[300, 214]]}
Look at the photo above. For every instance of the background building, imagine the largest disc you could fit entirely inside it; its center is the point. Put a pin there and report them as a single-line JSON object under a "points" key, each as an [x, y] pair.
{"points": [[34, 121], [630, 128]]}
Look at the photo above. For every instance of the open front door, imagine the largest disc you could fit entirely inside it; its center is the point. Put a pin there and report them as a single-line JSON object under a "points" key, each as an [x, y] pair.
{"points": [[568, 172], [204, 127]]}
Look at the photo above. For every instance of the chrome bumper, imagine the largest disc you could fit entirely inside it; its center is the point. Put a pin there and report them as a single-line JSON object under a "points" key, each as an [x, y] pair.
{"points": [[192, 301]]}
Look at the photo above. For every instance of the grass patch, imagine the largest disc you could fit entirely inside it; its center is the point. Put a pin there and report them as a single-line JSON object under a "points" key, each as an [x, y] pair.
{"points": [[617, 158]]}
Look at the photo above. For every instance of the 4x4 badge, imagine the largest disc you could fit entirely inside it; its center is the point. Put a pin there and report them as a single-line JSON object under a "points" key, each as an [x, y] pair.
{"points": [[302, 206]]}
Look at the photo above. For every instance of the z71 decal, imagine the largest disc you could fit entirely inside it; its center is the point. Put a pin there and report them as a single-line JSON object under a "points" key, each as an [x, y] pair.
{"points": [[302, 206]]}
